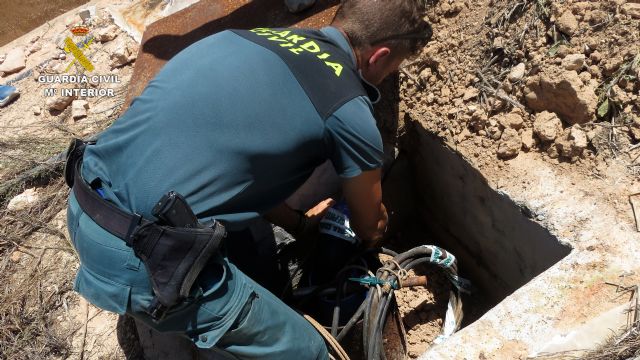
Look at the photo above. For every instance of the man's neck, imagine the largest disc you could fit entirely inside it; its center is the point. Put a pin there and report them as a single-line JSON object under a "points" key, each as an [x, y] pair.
{"points": [[356, 54]]}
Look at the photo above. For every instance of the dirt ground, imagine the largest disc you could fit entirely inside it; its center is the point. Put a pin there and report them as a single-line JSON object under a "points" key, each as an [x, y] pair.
{"points": [[507, 84], [19, 17]]}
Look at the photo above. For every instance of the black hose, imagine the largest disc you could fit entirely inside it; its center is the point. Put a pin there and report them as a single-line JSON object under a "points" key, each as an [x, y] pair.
{"points": [[354, 319]]}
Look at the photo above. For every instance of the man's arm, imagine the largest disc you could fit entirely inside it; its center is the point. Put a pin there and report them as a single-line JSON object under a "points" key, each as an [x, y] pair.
{"points": [[368, 215]]}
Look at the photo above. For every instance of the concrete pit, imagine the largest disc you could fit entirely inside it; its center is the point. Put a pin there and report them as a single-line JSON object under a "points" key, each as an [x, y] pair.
{"points": [[438, 198]]}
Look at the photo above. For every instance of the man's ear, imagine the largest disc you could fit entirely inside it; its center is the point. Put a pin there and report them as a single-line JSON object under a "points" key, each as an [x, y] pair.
{"points": [[379, 55]]}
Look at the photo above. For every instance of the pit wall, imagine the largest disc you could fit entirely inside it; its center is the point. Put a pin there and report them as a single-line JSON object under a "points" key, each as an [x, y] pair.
{"points": [[497, 245], [542, 247]]}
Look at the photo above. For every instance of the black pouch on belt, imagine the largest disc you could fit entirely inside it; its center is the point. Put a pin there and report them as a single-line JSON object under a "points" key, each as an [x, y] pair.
{"points": [[174, 257]]}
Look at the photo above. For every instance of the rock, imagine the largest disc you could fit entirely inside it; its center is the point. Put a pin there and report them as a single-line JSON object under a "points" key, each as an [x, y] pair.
{"points": [[470, 93], [479, 120], [612, 64], [123, 54], [87, 13], [36, 110], [512, 120], [2, 57], [563, 144], [517, 73], [34, 48], [106, 34], [579, 139], [567, 23], [547, 126], [527, 139], [573, 61], [79, 109], [464, 135], [564, 94], [15, 256], [510, 144], [596, 56], [563, 50], [632, 9], [635, 127], [14, 61], [552, 151], [23, 200], [494, 132], [572, 142], [59, 103]]}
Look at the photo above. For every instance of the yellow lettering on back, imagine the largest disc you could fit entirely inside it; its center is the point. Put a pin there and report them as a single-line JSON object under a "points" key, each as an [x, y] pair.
{"points": [[296, 51], [295, 38], [258, 30], [282, 33], [336, 67], [286, 45], [323, 56], [311, 47]]}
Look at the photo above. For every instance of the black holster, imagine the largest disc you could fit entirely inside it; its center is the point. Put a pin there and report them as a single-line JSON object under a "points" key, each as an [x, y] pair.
{"points": [[173, 256]]}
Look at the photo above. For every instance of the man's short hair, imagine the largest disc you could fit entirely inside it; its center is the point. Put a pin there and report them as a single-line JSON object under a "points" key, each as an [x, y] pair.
{"points": [[397, 23]]}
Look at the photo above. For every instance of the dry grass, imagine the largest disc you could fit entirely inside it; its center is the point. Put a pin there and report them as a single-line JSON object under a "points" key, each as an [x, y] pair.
{"points": [[30, 296]]}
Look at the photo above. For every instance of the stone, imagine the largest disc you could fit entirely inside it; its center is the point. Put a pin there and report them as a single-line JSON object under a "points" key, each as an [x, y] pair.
{"points": [[34, 48], [632, 9], [572, 142], [527, 139], [547, 126], [36, 110], [512, 120], [563, 144], [464, 135], [87, 13], [517, 73], [22, 201], [14, 61], [58, 103], [107, 34], [494, 132], [123, 54], [573, 62], [579, 139], [470, 93], [564, 94], [15, 256], [567, 23], [479, 120], [79, 109], [510, 144]]}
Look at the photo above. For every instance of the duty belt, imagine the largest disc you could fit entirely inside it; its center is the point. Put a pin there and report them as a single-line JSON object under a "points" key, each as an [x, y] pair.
{"points": [[173, 255]]}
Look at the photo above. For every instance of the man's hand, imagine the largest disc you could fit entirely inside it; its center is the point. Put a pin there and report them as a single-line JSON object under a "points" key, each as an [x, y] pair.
{"points": [[316, 213], [368, 214], [290, 220]]}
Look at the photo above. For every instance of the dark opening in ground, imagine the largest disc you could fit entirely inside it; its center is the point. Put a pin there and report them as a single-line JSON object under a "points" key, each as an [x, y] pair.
{"points": [[436, 197]]}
